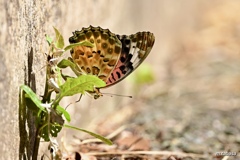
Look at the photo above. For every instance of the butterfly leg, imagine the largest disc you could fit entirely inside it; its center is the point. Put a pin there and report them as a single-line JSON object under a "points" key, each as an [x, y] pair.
{"points": [[75, 101], [79, 99]]}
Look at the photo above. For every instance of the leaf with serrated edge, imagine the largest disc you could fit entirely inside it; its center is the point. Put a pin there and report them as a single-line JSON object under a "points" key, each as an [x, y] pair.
{"points": [[59, 39], [84, 43], [105, 140], [80, 84], [33, 97]]}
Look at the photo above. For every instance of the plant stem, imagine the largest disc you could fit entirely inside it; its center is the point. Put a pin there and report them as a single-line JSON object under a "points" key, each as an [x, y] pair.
{"points": [[36, 144]]}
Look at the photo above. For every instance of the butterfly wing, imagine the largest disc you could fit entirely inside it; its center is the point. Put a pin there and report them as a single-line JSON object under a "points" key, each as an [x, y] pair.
{"points": [[113, 57], [101, 59], [135, 48]]}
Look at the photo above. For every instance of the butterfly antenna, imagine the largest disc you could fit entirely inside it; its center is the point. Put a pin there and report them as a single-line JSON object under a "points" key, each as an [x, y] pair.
{"points": [[119, 95]]}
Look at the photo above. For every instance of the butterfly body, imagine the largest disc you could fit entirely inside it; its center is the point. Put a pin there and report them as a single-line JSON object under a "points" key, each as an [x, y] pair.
{"points": [[112, 57]]}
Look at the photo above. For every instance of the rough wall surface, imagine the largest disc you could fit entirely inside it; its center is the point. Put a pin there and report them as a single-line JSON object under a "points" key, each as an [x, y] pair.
{"points": [[22, 31]]}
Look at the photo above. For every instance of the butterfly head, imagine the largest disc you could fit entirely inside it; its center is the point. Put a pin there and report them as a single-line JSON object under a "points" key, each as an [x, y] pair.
{"points": [[96, 93]]}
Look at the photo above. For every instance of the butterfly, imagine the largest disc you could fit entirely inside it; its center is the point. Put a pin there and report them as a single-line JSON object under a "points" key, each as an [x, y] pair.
{"points": [[113, 57]]}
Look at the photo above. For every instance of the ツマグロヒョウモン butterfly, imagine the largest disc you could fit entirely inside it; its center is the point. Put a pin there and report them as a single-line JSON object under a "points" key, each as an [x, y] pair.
{"points": [[113, 57]]}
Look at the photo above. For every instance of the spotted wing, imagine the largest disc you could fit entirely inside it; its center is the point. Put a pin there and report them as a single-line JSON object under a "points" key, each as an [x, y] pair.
{"points": [[101, 59], [135, 48]]}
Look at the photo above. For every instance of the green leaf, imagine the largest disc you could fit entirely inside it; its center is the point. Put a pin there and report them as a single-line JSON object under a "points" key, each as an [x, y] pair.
{"points": [[105, 140], [31, 105], [50, 126], [48, 39], [80, 84], [54, 130], [64, 63], [64, 112], [59, 39], [84, 43], [33, 97], [69, 63], [59, 76]]}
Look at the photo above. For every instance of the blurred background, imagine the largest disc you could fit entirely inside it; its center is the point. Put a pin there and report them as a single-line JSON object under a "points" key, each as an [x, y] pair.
{"points": [[186, 93]]}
